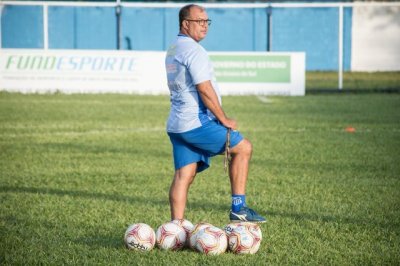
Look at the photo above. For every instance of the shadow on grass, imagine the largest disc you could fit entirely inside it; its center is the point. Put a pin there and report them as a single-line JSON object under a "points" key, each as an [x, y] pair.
{"points": [[80, 194], [152, 149], [110, 241], [208, 205], [111, 197]]}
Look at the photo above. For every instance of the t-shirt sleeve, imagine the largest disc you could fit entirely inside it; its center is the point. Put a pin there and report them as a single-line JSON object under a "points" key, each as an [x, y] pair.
{"points": [[199, 66]]}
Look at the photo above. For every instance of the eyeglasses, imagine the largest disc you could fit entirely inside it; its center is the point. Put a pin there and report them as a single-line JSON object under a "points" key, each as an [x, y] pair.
{"points": [[201, 22]]}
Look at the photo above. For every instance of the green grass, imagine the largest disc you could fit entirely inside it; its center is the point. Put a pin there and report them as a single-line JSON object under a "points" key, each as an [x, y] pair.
{"points": [[76, 170], [359, 81]]}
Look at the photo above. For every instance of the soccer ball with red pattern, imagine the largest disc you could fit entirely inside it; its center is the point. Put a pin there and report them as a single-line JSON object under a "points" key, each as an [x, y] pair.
{"points": [[211, 241], [245, 239], [229, 228], [140, 237], [170, 236], [187, 225], [193, 234]]}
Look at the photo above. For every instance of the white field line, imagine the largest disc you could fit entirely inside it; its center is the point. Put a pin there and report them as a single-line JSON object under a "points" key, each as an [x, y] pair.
{"points": [[158, 130], [264, 99], [82, 101], [85, 133]]}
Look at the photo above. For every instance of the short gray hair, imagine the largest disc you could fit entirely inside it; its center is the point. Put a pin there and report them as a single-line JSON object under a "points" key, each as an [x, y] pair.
{"points": [[184, 13]]}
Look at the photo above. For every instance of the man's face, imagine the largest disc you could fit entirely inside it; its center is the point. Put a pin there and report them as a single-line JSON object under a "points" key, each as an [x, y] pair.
{"points": [[196, 26]]}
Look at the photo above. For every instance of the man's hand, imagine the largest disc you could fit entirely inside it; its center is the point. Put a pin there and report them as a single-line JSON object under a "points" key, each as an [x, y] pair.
{"points": [[210, 100], [230, 123]]}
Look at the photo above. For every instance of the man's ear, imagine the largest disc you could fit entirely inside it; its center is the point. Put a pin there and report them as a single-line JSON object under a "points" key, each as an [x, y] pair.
{"points": [[185, 24]]}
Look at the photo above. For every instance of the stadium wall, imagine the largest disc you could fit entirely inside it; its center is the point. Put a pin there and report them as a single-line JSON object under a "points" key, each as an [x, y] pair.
{"points": [[312, 28]]}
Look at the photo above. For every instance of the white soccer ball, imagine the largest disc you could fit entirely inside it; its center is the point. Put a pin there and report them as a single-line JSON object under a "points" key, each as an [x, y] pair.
{"points": [[229, 228], [193, 234], [187, 225], [245, 239], [211, 241], [140, 237], [170, 236]]}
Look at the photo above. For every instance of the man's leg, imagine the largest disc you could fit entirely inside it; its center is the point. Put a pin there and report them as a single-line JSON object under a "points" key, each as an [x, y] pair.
{"points": [[239, 167], [178, 191], [238, 172]]}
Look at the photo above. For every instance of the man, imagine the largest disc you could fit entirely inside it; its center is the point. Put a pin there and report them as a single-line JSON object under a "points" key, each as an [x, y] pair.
{"points": [[197, 125]]}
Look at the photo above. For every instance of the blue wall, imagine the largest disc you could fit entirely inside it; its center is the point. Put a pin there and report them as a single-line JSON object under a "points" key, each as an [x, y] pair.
{"points": [[22, 27], [237, 30], [147, 28], [313, 30], [82, 28]]}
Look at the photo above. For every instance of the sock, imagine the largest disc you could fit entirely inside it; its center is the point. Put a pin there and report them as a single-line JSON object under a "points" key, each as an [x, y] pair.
{"points": [[237, 202]]}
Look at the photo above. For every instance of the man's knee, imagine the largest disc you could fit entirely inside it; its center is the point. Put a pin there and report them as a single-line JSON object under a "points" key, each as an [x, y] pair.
{"points": [[184, 178], [186, 174], [248, 149], [244, 147]]}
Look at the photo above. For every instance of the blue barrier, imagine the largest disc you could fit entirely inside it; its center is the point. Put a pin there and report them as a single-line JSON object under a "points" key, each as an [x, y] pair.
{"points": [[313, 30], [22, 27], [82, 28]]}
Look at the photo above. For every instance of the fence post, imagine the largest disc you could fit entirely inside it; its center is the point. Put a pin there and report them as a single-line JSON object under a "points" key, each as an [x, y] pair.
{"points": [[118, 11], [269, 27], [45, 26], [1, 14], [340, 59]]}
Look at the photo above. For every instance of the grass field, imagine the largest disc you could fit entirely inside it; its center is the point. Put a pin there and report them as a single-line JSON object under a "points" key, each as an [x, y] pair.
{"points": [[76, 170], [354, 81]]}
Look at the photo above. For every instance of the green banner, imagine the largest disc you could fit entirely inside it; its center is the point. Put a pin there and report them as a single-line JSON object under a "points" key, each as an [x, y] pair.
{"points": [[252, 68]]}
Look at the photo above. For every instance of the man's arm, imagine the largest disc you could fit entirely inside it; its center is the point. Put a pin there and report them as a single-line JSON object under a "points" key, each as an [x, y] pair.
{"points": [[210, 100]]}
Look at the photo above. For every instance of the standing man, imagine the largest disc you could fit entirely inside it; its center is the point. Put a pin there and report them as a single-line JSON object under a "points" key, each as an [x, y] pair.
{"points": [[197, 125]]}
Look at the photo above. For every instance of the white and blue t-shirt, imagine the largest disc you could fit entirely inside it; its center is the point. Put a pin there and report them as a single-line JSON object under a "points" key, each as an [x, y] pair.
{"points": [[187, 64]]}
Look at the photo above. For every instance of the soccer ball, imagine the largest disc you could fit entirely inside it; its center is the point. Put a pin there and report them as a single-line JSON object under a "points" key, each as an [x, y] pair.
{"points": [[140, 237], [245, 239], [187, 225], [193, 234], [170, 236], [211, 241], [229, 228]]}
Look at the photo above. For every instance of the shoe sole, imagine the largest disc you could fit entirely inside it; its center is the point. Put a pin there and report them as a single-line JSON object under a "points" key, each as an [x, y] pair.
{"points": [[255, 222]]}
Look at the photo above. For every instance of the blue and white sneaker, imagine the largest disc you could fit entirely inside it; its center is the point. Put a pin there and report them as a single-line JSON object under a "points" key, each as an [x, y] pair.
{"points": [[246, 215]]}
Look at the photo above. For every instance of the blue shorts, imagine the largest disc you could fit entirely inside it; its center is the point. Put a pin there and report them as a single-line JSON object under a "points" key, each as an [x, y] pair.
{"points": [[199, 144]]}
